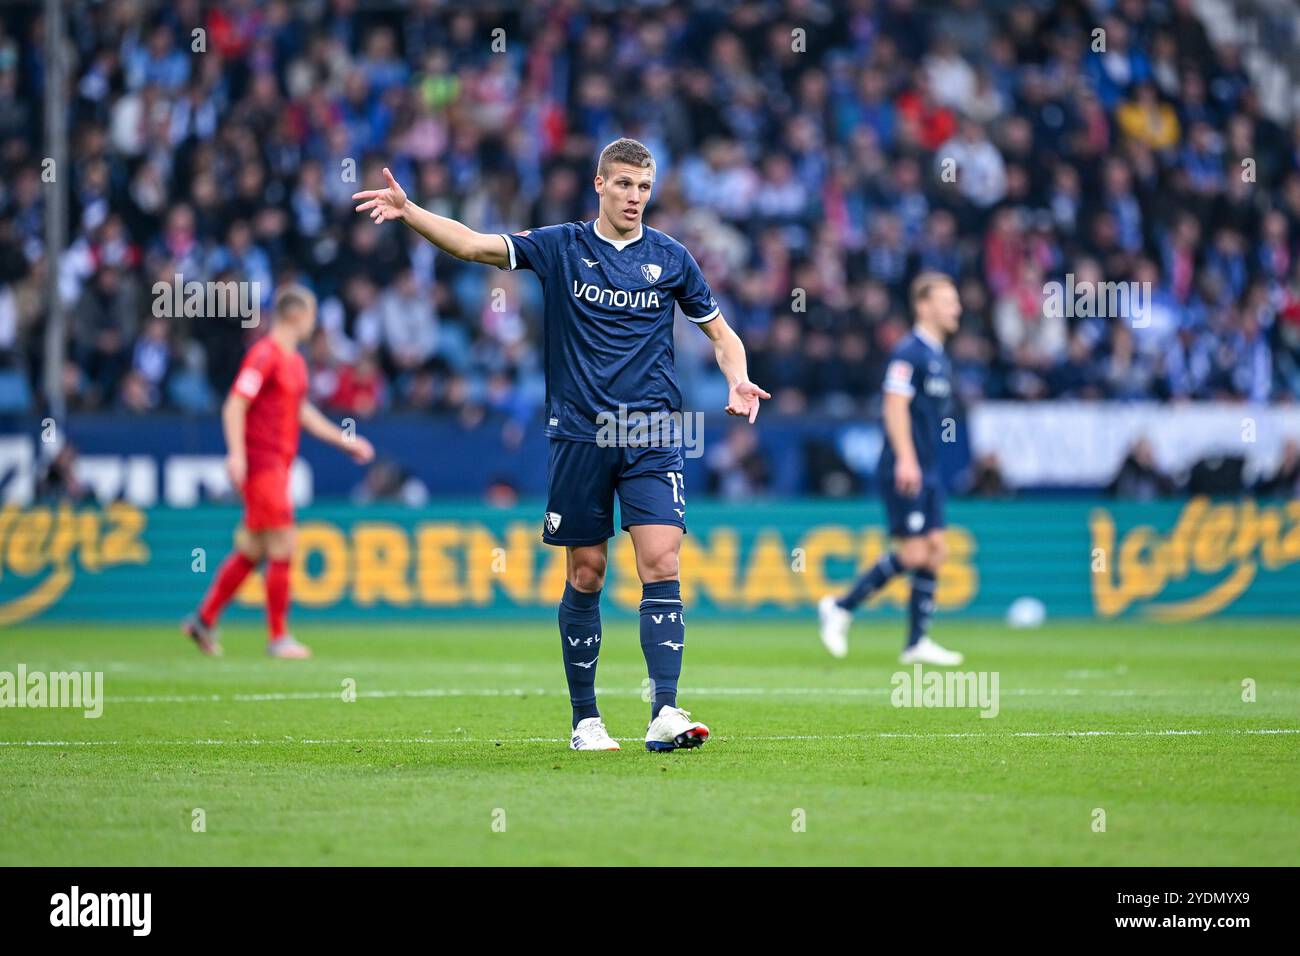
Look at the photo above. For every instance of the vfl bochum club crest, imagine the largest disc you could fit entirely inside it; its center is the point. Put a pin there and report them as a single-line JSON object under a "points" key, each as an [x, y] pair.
{"points": [[552, 522], [651, 272]]}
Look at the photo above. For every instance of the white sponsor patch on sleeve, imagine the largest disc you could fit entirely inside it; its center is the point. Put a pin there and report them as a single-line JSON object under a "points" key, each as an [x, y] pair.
{"points": [[898, 378], [249, 383]]}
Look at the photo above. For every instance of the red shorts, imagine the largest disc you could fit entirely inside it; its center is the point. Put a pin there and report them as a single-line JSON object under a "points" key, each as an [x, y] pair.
{"points": [[266, 499]]}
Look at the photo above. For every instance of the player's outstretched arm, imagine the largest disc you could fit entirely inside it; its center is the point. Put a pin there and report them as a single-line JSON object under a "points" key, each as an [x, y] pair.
{"points": [[742, 395], [318, 426], [452, 237]]}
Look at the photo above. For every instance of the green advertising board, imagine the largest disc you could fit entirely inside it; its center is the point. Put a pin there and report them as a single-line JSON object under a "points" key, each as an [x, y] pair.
{"points": [[1166, 561]]}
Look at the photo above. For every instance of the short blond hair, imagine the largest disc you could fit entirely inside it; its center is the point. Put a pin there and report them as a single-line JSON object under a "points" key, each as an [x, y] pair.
{"points": [[291, 298], [927, 282], [628, 151]]}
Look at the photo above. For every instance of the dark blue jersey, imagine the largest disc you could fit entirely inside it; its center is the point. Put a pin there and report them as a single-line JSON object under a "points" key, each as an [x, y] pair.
{"points": [[608, 320], [919, 370]]}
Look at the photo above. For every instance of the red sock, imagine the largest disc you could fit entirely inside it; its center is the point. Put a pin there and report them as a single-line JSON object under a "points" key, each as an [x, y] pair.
{"points": [[277, 597], [229, 577]]}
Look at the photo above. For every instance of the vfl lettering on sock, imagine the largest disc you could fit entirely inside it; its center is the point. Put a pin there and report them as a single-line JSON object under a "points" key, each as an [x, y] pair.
{"points": [[579, 620], [663, 667]]}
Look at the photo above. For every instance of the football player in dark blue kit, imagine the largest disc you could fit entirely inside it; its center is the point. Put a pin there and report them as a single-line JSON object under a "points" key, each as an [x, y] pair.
{"points": [[611, 288], [917, 401]]}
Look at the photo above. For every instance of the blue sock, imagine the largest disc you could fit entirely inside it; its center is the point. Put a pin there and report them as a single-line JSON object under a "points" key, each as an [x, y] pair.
{"points": [[871, 582], [663, 640], [921, 606], [580, 639]]}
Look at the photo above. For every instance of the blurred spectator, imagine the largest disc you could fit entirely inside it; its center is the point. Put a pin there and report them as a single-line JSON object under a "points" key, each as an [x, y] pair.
{"points": [[1217, 475], [151, 358], [738, 470], [990, 141], [1285, 482], [105, 321], [360, 390], [1139, 478], [986, 478], [409, 322], [1147, 120], [59, 482], [976, 165], [501, 493], [386, 481]]}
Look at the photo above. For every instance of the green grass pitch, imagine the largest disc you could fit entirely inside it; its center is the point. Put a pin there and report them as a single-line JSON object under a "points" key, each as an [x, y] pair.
{"points": [[455, 750]]}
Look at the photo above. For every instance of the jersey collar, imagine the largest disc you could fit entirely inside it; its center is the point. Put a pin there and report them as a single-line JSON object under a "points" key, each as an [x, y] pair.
{"points": [[928, 339], [619, 244]]}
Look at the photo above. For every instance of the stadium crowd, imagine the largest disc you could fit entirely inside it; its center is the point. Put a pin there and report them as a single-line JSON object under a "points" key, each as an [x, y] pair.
{"points": [[805, 152]]}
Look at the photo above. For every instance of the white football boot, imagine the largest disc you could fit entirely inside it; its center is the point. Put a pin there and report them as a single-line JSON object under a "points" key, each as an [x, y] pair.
{"points": [[590, 734], [674, 729], [287, 649], [835, 623], [926, 651]]}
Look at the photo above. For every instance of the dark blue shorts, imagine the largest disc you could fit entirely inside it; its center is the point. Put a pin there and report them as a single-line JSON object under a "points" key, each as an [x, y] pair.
{"points": [[913, 516], [582, 478]]}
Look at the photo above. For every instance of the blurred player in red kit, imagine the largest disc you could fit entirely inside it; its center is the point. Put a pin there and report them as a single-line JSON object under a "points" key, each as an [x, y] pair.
{"points": [[261, 418]]}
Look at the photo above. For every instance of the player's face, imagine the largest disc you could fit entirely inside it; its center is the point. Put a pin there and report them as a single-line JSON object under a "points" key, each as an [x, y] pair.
{"points": [[303, 322], [624, 194], [944, 307]]}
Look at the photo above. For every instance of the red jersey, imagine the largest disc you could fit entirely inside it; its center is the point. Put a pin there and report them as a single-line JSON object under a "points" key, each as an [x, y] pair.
{"points": [[275, 384]]}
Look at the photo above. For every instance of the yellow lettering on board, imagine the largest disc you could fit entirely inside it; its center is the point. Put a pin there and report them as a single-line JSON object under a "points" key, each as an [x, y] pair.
{"points": [[438, 574], [550, 583], [481, 572], [768, 579], [819, 544], [329, 585], [958, 580], [382, 561], [709, 565], [26, 551]]}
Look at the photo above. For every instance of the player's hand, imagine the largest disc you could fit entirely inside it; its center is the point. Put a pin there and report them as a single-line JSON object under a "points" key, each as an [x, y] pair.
{"points": [[359, 450], [907, 478], [743, 398], [237, 469], [383, 204]]}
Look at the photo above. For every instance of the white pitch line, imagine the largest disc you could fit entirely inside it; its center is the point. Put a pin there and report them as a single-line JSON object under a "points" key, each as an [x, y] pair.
{"points": [[434, 692], [883, 735]]}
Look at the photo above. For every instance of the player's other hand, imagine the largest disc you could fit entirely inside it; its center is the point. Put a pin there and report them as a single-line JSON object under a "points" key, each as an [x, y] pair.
{"points": [[359, 450], [907, 478], [743, 400], [237, 469], [383, 204]]}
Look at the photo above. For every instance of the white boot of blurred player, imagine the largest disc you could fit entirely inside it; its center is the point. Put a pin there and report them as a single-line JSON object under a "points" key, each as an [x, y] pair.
{"points": [[835, 623], [926, 651]]}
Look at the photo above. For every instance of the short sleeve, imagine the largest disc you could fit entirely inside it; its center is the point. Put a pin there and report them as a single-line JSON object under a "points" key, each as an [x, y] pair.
{"points": [[535, 249], [259, 365], [694, 296], [900, 378]]}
